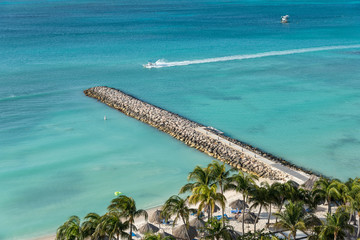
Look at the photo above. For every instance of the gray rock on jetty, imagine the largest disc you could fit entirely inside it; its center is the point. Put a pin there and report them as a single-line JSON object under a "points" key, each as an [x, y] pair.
{"points": [[183, 130]]}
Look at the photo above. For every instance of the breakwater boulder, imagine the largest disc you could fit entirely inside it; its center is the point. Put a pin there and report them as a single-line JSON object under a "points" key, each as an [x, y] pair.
{"points": [[184, 130]]}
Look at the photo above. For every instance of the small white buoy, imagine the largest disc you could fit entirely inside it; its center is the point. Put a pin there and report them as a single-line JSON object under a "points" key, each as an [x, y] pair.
{"points": [[104, 117]]}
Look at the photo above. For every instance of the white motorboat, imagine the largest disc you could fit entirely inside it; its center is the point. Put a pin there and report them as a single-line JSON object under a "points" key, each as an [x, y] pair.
{"points": [[285, 19], [149, 65], [159, 63]]}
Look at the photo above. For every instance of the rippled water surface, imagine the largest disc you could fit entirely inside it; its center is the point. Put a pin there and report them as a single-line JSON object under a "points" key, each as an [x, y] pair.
{"points": [[58, 157]]}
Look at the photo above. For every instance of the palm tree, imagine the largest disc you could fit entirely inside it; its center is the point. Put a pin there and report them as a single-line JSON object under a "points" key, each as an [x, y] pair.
{"points": [[220, 176], [272, 196], [126, 207], [215, 230], [175, 205], [309, 198], [351, 195], [70, 230], [355, 205], [327, 189], [293, 218], [207, 197], [110, 225], [258, 198], [92, 220], [242, 183], [336, 225], [200, 176], [286, 191]]}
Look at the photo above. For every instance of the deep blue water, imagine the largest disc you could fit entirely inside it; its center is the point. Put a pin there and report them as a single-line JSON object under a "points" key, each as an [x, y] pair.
{"points": [[58, 157]]}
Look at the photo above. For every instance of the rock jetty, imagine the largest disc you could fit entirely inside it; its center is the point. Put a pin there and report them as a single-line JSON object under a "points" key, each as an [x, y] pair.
{"points": [[184, 130]]}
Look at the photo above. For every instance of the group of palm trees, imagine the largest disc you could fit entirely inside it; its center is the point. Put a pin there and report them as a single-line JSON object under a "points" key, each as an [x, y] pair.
{"points": [[295, 207], [121, 216]]}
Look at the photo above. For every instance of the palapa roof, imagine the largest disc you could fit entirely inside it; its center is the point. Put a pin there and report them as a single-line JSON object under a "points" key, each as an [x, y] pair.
{"points": [[148, 228], [239, 204], [180, 232], [309, 184], [207, 208], [248, 218], [156, 217], [197, 223], [164, 234]]}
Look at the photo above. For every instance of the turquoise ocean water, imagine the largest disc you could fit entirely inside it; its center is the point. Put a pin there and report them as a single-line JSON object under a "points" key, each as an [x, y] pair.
{"points": [[58, 157]]}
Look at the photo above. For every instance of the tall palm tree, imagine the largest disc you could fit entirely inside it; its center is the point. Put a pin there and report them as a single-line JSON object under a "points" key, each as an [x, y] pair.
{"points": [[207, 197], [294, 218], [259, 199], [272, 195], [126, 207], [355, 205], [286, 191], [111, 226], [92, 220], [336, 225], [328, 190], [199, 176], [242, 183], [70, 230], [352, 194], [221, 177], [177, 206]]}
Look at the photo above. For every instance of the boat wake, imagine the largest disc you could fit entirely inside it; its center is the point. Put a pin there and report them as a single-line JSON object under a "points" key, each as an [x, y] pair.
{"points": [[162, 63]]}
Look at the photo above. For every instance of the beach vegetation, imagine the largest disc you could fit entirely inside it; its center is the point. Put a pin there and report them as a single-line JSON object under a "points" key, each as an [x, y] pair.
{"points": [[177, 206], [70, 230], [244, 184], [258, 199], [294, 208], [125, 207], [207, 197], [218, 229]]}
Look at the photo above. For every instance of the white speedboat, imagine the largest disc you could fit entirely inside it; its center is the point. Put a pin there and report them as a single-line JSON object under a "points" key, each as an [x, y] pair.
{"points": [[149, 65], [158, 64], [285, 19]]}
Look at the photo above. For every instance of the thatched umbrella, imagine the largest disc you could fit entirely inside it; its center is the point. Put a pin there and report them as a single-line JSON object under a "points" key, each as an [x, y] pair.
{"points": [[207, 208], [180, 232], [248, 218], [309, 184], [148, 228], [197, 223], [164, 234], [156, 217], [238, 204]]}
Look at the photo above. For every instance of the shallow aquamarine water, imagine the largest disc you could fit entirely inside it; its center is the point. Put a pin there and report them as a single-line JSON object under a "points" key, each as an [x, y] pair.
{"points": [[58, 157]]}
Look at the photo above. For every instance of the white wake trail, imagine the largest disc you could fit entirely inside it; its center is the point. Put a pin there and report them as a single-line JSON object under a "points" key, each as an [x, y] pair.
{"points": [[161, 63]]}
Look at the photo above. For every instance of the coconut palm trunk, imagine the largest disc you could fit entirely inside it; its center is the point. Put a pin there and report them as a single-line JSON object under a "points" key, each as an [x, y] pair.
{"points": [[358, 230], [329, 205], [131, 227], [257, 217], [222, 208], [281, 206], [243, 215], [269, 214]]}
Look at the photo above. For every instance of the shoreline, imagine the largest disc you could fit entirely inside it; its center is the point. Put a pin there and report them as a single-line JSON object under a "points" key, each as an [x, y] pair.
{"points": [[224, 137]]}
